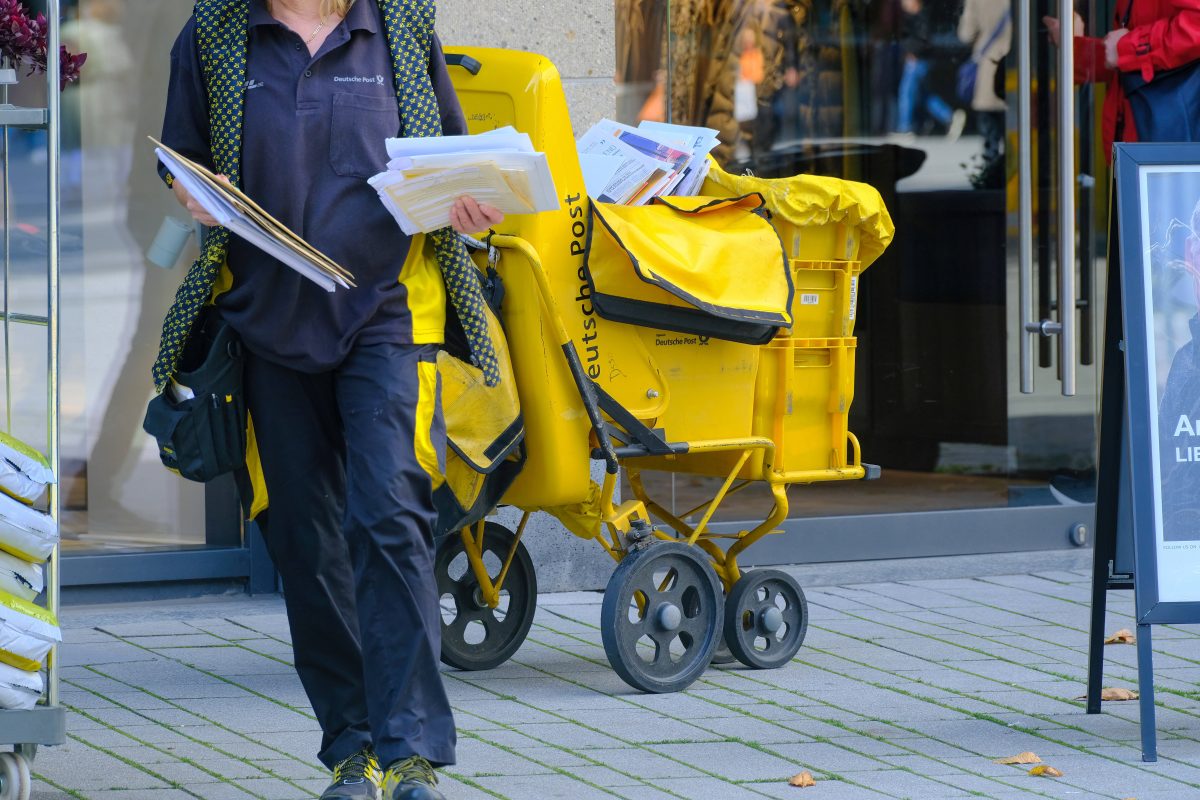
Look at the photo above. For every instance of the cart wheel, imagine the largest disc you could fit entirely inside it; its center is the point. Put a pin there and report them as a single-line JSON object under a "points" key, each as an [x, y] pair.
{"points": [[15, 780], [474, 636], [661, 618], [26, 776], [766, 618]]}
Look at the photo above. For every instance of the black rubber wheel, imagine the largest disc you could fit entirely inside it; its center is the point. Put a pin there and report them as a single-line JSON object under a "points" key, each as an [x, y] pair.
{"points": [[766, 618], [661, 619], [474, 636]]}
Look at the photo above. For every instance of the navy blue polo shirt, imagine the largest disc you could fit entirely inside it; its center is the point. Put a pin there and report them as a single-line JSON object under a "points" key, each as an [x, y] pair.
{"points": [[313, 132]]}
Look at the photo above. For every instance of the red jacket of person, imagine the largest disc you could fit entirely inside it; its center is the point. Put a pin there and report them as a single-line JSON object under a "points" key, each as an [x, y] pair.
{"points": [[1163, 34]]}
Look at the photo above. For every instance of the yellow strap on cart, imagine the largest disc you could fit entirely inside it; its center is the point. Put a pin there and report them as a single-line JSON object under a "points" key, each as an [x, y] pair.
{"points": [[483, 423]]}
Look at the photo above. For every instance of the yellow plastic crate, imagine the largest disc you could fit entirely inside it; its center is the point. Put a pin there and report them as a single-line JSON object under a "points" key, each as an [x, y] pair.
{"points": [[711, 381], [838, 240], [825, 299], [802, 396]]}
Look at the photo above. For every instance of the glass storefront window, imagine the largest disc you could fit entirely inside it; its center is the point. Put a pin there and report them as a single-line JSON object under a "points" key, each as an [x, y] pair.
{"points": [[116, 494], [868, 91]]}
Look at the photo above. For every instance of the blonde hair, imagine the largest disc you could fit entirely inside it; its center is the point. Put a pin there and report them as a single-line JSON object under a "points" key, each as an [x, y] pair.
{"points": [[338, 7]]}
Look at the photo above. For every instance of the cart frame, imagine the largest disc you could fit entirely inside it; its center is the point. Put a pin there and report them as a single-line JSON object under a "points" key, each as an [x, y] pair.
{"points": [[45, 724], [627, 528]]}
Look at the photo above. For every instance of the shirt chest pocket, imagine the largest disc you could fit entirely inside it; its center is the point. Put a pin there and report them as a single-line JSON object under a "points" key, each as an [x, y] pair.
{"points": [[357, 132]]}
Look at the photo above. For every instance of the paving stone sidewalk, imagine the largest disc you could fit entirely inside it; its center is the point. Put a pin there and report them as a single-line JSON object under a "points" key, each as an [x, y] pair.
{"points": [[902, 690]]}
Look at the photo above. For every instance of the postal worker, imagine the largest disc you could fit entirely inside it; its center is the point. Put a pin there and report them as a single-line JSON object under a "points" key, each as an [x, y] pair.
{"points": [[292, 101]]}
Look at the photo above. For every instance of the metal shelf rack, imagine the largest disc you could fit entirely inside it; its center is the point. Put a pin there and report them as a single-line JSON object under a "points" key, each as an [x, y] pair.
{"points": [[45, 725]]}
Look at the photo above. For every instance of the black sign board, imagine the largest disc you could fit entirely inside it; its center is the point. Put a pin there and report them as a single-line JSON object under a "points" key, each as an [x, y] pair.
{"points": [[1148, 493]]}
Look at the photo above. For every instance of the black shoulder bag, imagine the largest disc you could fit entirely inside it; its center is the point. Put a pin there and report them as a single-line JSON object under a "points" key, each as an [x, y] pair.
{"points": [[203, 436]]}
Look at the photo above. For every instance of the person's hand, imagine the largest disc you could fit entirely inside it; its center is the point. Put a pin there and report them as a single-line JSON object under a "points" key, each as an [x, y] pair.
{"points": [[195, 209], [1053, 27], [467, 216], [1110, 47]]}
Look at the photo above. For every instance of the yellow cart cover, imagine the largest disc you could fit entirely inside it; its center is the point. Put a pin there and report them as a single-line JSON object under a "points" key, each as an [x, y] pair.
{"points": [[484, 431], [811, 201], [703, 265]]}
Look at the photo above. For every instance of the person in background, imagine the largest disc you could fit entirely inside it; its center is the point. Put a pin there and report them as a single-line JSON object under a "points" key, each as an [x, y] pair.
{"points": [[1149, 37], [986, 25], [750, 73], [914, 96]]}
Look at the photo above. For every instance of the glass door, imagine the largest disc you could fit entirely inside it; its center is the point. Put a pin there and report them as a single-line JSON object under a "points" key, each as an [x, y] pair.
{"points": [[125, 518], [980, 451]]}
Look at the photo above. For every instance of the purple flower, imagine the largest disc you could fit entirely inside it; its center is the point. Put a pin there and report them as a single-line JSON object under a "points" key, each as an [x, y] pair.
{"points": [[25, 41]]}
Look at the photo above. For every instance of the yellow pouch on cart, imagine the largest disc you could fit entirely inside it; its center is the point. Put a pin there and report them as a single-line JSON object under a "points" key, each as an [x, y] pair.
{"points": [[27, 632], [484, 434], [700, 265]]}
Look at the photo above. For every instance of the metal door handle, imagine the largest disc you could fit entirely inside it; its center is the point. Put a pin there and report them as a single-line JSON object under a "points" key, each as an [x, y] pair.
{"points": [[1065, 328], [1067, 348], [1024, 40]]}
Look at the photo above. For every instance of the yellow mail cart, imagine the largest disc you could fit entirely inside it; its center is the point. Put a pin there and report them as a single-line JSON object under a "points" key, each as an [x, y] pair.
{"points": [[597, 313]]}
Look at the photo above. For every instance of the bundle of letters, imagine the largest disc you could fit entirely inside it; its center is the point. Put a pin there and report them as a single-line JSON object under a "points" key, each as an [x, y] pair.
{"points": [[27, 538], [629, 166], [426, 175]]}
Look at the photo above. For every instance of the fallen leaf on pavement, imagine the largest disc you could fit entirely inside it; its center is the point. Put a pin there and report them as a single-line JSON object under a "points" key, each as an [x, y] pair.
{"points": [[1123, 636], [1045, 771], [1020, 758], [1113, 693], [803, 779]]}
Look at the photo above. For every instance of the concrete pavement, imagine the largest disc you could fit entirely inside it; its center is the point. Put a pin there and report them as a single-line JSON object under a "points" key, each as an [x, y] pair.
{"points": [[903, 689]]}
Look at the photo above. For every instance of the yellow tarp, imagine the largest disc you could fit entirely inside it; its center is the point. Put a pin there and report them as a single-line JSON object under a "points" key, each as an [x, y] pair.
{"points": [[479, 416], [811, 200], [715, 254]]}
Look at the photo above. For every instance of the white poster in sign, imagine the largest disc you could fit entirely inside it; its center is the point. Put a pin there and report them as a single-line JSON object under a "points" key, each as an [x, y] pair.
{"points": [[1170, 221]]}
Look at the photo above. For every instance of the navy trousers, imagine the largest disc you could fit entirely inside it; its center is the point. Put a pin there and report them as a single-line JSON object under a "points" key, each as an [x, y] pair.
{"points": [[347, 456]]}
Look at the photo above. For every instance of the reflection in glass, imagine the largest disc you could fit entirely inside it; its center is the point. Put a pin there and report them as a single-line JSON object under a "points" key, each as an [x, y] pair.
{"points": [[116, 494], [910, 96]]}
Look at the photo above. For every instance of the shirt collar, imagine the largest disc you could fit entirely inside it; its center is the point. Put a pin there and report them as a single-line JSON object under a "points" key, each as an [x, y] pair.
{"points": [[361, 16]]}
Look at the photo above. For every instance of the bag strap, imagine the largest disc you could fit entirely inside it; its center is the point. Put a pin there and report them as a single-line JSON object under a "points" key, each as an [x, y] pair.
{"points": [[1126, 15], [996, 33]]}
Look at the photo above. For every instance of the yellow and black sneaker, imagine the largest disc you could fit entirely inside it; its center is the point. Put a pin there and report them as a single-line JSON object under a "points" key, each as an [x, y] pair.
{"points": [[355, 778], [411, 779]]}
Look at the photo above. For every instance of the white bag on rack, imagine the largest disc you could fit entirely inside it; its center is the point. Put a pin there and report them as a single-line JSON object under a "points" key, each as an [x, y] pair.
{"points": [[15, 483], [27, 632], [19, 690], [20, 578], [26, 532], [24, 472]]}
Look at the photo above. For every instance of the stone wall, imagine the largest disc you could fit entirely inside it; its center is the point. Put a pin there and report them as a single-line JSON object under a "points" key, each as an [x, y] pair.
{"points": [[578, 37]]}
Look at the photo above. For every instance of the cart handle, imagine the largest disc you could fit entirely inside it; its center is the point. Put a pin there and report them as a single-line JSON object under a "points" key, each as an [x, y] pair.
{"points": [[471, 65], [586, 390]]}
